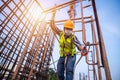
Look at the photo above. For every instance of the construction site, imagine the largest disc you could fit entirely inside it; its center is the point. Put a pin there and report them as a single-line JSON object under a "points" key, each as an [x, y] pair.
{"points": [[28, 44]]}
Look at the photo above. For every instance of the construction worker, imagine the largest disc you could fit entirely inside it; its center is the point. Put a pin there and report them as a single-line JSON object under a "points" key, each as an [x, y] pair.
{"points": [[67, 44]]}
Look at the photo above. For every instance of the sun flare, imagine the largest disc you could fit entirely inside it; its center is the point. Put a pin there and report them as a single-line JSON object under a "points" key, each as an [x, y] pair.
{"points": [[36, 12]]}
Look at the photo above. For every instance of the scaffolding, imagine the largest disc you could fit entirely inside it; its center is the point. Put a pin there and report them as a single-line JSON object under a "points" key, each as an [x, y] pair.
{"points": [[26, 41]]}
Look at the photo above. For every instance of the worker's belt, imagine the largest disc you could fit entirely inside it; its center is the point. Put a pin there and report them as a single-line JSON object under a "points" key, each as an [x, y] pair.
{"points": [[67, 54]]}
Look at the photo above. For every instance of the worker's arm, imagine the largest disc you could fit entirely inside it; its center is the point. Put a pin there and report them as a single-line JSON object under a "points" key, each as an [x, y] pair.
{"points": [[78, 44], [54, 28]]}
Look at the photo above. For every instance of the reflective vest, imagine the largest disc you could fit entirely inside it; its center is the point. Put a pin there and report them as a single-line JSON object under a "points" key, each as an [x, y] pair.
{"points": [[67, 47]]}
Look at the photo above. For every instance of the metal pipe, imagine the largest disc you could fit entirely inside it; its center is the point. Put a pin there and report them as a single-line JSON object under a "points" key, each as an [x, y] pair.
{"points": [[83, 24], [97, 53], [60, 6], [87, 61], [61, 21], [102, 47]]}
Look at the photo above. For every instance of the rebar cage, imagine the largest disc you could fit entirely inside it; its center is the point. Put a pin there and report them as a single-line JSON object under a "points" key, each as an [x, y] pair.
{"points": [[26, 39]]}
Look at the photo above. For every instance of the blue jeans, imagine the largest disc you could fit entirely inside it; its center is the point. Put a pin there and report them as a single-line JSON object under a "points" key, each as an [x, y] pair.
{"points": [[69, 67]]}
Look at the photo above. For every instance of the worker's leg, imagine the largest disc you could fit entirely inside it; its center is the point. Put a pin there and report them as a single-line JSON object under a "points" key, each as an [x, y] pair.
{"points": [[70, 67], [60, 68]]}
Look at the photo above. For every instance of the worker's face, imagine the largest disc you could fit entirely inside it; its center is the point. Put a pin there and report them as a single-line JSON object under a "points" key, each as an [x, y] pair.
{"points": [[68, 31]]}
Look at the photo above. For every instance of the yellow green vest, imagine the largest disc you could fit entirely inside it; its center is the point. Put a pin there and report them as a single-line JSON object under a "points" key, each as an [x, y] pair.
{"points": [[67, 47]]}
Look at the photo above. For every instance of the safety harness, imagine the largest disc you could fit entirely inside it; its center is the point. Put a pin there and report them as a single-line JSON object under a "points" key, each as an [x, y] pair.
{"points": [[67, 47]]}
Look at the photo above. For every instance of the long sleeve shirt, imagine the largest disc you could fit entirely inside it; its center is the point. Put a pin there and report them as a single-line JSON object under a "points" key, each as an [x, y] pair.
{"points": [[58, 31]]}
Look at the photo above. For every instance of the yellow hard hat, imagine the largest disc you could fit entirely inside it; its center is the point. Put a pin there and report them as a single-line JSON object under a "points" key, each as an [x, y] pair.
{"points": [[69, 24]]}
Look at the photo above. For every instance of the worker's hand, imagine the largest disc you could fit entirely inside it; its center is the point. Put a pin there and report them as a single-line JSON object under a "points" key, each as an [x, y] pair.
{"points": [[81, 47], [84, 50]]}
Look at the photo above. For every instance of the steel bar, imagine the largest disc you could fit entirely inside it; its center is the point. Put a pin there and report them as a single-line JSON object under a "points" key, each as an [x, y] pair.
{"points": [[26, 42], [102, 47]]}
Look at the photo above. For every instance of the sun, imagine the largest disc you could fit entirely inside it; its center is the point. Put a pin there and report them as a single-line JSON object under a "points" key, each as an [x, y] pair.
{"points": [[36, 12]]}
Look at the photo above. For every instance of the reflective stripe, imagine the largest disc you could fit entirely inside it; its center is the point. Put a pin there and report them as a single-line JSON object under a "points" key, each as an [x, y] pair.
{"points": [[67, 47]]}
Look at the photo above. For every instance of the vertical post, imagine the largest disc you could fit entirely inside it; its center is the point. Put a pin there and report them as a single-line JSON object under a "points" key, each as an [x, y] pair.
{"points": [[88, 73], [101, 44], [71, 11], [93, 60], [83, 23], [83, 76], [79, 76], [96, 47]]}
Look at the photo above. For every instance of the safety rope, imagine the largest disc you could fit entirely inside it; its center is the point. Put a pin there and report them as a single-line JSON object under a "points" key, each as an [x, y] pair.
{"points": [[84, 52]]}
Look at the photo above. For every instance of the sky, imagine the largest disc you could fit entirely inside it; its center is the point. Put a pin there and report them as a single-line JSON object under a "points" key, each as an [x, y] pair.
{"points": [[108, 13]]}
